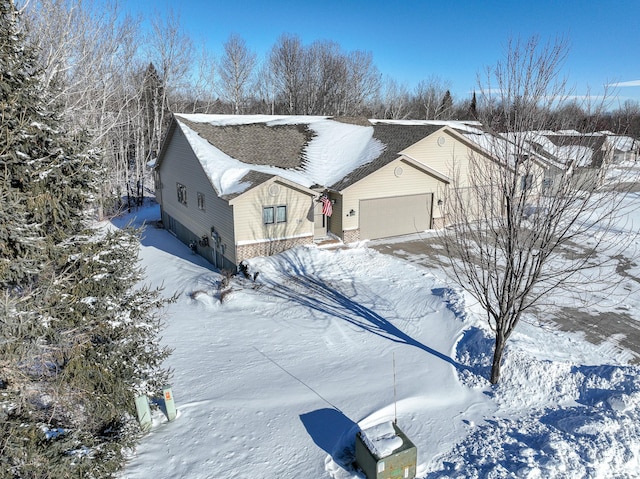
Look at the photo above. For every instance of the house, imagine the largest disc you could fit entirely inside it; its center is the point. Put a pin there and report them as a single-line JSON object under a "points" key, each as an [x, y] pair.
{"points": [[624, 149], [235, 187], [581, 156]]}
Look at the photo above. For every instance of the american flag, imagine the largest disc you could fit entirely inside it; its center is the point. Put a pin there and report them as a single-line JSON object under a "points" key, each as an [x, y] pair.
{"points": [[327, 208]]}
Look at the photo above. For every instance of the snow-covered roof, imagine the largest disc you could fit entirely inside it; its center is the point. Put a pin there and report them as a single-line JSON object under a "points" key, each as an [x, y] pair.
{"points": [[474, 133], [623, 143], [459, 125], [562, 148], [330, 150]]}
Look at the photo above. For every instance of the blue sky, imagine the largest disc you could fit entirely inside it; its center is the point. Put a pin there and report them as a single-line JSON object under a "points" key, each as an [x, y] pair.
{"points": [[413, 40]]}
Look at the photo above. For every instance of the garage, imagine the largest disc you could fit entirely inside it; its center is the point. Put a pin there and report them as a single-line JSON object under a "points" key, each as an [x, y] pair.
{"points": [[395, 216]]}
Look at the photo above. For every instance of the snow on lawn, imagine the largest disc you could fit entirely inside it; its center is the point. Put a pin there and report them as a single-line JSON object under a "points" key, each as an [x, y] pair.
{"points": [[275, 381]]}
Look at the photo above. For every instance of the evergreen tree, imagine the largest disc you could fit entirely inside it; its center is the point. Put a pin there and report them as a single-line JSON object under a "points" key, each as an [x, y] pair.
{"points": [[473, 107], [78, 337], [154, 111], [446, 107]]}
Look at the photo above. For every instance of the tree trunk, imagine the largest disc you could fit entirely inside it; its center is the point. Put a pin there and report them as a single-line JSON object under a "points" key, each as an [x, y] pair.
{"points": [[497, 358]]}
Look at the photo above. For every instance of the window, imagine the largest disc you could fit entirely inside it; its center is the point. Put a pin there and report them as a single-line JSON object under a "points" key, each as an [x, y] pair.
{"points": [[267, 215], [182, 194], [526, 182], [381, 466], [274, 214], [200, 201]]}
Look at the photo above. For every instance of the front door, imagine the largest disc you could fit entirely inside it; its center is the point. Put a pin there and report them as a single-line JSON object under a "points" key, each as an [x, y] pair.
{"points": [[320, 221]]}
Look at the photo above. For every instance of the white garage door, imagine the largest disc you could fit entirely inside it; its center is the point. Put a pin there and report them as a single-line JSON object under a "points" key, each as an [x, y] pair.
{"points": [[395, 216]]}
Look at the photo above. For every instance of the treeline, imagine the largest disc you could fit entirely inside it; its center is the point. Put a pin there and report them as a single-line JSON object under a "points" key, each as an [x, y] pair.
{"points": [[122, 82], [79, 335]]}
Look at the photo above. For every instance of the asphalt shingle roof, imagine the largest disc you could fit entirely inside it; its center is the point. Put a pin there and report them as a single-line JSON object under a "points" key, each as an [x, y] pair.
{"points": [[257, 143], [395, 138], [284, 145]]}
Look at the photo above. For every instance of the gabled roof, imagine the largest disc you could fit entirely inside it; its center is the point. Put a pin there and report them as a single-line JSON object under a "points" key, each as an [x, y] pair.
{"points": [[583, 150], [505, 149], [258, 178], [565, 148], [256, 143], [252, 179], [622, 143], [395, 137], [240, 152]]}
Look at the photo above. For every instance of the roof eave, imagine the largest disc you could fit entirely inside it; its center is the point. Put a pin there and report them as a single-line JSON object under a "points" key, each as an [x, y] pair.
{"points": [[425, 168], [165, 141], [280, 179]]}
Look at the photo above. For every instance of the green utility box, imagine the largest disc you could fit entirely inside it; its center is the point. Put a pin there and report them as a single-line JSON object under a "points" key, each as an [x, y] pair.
{"points": [[385, 452]]}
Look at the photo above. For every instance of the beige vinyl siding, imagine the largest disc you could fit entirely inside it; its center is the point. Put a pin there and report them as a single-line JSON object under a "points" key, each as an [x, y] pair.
{"points": [[247, 213], [180, 165], [445, 154], [451, 157], [387, 182], [336, 225]]}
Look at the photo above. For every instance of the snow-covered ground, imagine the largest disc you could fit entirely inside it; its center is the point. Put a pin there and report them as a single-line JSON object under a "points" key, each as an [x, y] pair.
{"points": [[274, 381]]}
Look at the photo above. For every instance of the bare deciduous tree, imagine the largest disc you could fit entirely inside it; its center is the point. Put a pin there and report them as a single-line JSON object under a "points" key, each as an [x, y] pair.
{"points": [[362, 82], [324, 77], [428, 95], [87, 51], [396, 101], [286, 62], [265, 89], [513, 220], [84, 49], [171, 51], [628, 118], [236, 69], [202, 98]]}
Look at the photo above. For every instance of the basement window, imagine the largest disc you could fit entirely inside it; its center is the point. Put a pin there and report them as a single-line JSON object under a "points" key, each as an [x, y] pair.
{"points": [[182, 193], [274, 214]]}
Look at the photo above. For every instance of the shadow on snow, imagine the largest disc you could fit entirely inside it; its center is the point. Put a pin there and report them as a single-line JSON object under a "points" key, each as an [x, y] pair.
{"points": [[146, 218], [334, 433], [313, 293]]}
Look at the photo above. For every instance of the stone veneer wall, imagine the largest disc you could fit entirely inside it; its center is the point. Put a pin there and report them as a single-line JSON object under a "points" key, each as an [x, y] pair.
{"points": [[267, 248], [351, 236]]}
